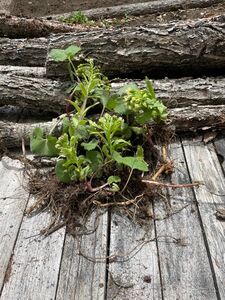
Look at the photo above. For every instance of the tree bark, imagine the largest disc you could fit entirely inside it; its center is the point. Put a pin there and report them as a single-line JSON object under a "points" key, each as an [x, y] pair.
{"points": [[24, 27], [23, 71], [145, 8], [185, 48], [188, 47], [23, 52], [183, 119], [16, 27], [49, 95]]}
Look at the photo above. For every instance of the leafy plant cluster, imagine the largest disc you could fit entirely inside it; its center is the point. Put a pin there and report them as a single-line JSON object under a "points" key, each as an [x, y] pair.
{"points": [[104, 133], [78, 17]]}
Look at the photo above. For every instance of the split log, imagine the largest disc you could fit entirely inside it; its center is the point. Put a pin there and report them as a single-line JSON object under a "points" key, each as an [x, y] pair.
{"points": [[183, 119], [16, 27], [49, 95], [23, 52], [188, 47], [146, 8]]}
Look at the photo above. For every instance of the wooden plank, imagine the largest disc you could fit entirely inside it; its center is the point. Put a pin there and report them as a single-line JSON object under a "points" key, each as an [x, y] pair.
{"points": [[80, 277], [36, 261], [13, 200], [185, 270], [220, 149], [132, 274], [204, 166]]}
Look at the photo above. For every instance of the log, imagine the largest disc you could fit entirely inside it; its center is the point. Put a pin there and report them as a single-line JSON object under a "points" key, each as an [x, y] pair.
{"points": [[146, 8], [35, 93], [189, 47], [23, 52], [183, 119], [23, 71], [49, 95], [24, 27], [16, 27]]}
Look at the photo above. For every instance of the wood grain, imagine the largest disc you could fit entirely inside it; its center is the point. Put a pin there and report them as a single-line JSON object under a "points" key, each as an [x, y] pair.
{"points": [[36, 261], [133, 271], [82, 276], [185, 267], [13, 201], [191, 46], [24, 87], [204, 166], [23, 52]]}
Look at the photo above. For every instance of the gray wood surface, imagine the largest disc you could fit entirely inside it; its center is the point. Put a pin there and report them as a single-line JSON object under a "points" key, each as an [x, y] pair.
{"points": [[36, 261], [220, 149], [204, 166], [133, 268], [23, 52], [83, 267], [24, 86], [190, 46], [13, 200], [22, 71], [185, 267]]}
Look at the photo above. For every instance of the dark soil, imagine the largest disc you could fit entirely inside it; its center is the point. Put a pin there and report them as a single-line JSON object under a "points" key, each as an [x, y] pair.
{"points": [[50, 7]]}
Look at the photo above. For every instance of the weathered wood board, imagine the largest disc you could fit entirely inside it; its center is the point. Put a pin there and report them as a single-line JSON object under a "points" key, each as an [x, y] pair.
{"points": [[35, 262], [83, 267], [184, 264], [204, 166], [13, 201], [133, 268], [220, 149]]}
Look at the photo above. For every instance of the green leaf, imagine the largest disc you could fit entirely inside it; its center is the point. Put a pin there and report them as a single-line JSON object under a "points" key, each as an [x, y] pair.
{"points": [[58, 55], [120, 108], [62, 172], [113, 179], [72, 50], [120, 144], [137, 130], [90, 145], [95, 158], [133, 162], [43, 146], [145, 117], [130, 86], [115, 188], [150, 88], [140, 152]]}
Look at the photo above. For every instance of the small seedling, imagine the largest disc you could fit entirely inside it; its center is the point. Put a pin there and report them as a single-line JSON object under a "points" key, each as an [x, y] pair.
{"points": [[78, 17]]}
